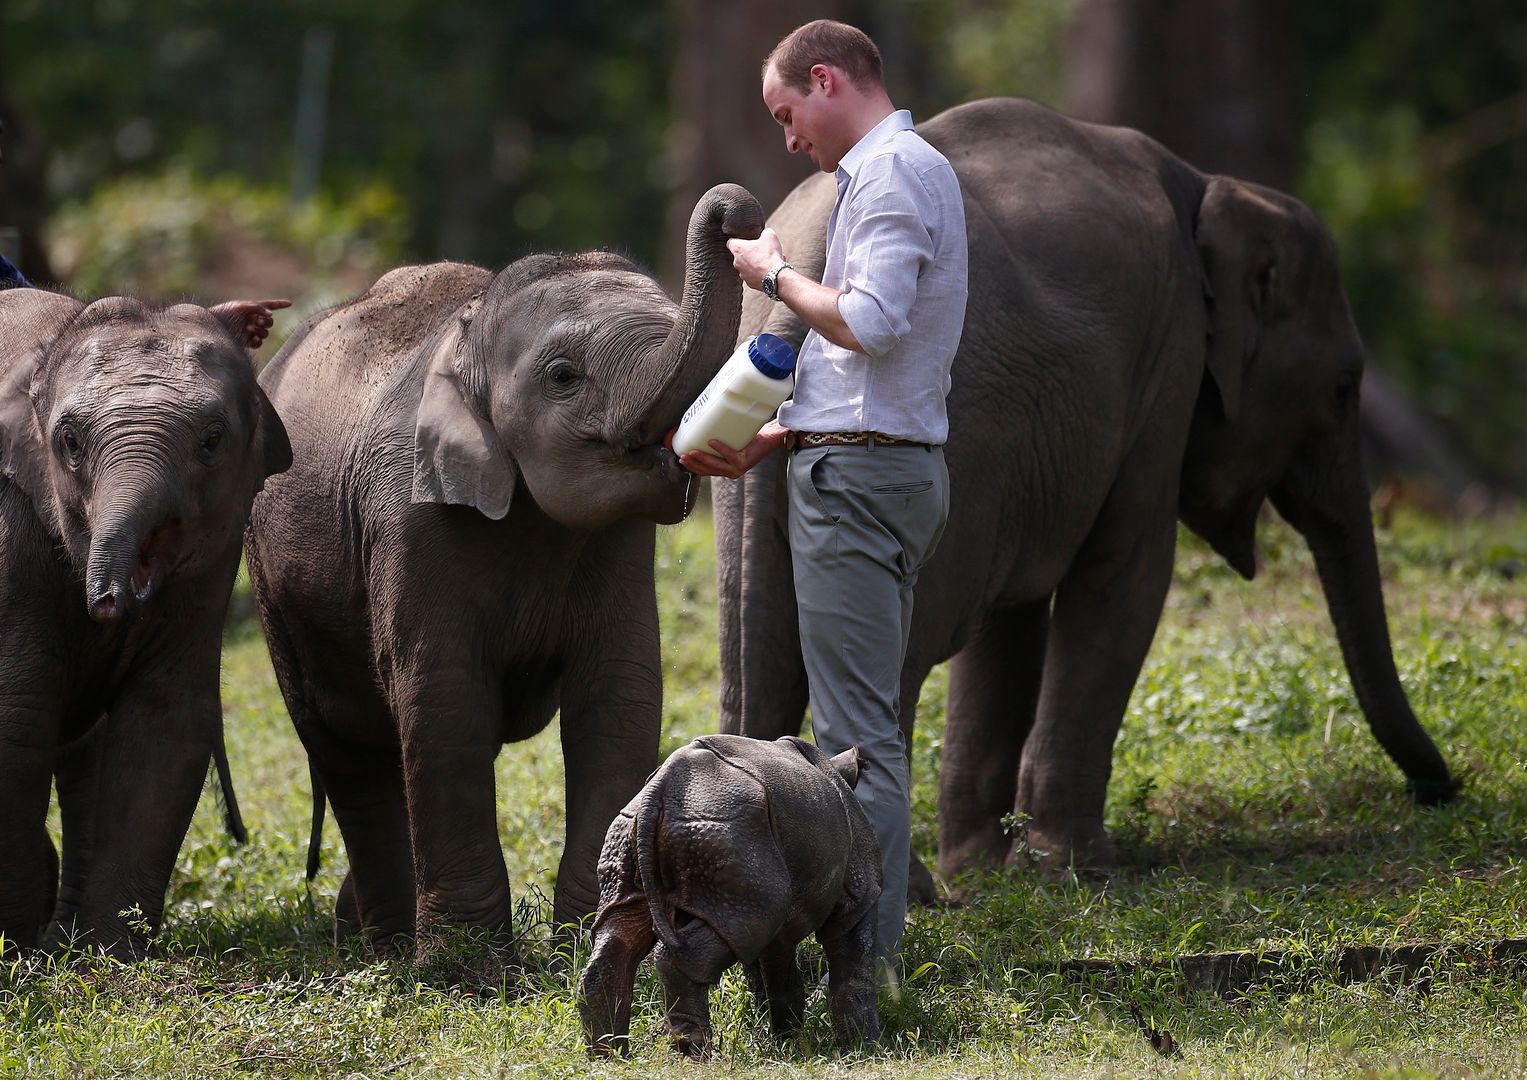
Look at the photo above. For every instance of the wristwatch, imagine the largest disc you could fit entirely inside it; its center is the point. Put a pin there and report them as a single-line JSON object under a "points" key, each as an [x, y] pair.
{"points": [[768, 283]]}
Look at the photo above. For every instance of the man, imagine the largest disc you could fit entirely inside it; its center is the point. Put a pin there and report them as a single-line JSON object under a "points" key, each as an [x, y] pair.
{"points": [[868, 490]]}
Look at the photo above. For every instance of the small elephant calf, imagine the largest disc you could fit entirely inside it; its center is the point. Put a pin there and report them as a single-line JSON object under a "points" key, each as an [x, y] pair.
{"points": [[734, 851]]}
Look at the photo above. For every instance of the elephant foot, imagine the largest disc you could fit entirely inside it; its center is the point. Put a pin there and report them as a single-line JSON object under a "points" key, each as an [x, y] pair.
{"points": [[1061, 847], [475, 959], [975, 855], [922, 890]]}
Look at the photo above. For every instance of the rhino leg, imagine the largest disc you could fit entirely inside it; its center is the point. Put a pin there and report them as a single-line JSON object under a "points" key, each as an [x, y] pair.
{"points": [[851, 982], [624, 935]]}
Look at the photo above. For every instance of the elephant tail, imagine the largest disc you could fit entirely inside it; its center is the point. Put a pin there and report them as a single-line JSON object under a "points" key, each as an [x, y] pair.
{"points": [[647, 813], [231, 816], [315, 837]]}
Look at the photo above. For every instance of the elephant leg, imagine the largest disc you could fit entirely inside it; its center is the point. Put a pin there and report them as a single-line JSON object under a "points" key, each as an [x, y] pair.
{"points": [[993, 691], [156, 749], [624, 935], [1101, 626], [851, 961], [364, 785], [448, 720], [612, 698], [49, 872], [347, 911], [29, 732], [763, 678], [78, 775], [780, 988], [921, 888]]}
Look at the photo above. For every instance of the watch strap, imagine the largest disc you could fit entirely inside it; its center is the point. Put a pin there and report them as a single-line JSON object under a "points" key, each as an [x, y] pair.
{"points": [[769, 284]]}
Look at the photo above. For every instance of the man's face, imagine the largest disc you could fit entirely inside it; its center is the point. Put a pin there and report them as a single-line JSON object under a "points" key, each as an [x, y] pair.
{"points": [[808, 120]]}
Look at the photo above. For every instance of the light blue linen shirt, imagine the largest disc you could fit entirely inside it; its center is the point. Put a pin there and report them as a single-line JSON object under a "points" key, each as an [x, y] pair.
{"points": [[896, 247]]}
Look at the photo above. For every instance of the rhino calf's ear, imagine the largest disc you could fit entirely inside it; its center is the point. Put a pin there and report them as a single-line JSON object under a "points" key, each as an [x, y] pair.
{"points": [[847, 764]]}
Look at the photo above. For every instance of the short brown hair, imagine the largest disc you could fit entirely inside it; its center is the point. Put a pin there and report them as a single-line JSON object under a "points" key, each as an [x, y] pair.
{"points": [[826, 41]]}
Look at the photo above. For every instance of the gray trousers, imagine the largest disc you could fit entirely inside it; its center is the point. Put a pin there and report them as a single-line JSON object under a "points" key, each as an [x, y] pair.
{"points": [[863, 522]]}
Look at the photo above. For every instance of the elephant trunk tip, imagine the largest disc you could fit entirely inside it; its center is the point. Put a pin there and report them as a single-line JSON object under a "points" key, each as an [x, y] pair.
{"points": [[106, 604]]}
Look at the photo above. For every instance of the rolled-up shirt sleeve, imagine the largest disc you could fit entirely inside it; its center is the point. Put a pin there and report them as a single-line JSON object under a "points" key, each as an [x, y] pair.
{"points": [[888, 245]]}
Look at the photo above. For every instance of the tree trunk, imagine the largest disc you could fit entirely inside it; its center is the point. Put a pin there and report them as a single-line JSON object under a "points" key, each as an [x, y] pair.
{"points": [[1213, 80], [721, 130], [23, 193]]}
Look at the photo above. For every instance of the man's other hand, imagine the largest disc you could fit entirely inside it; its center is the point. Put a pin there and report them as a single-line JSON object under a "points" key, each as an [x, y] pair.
{"points": [[730, 463], [250, 320]]}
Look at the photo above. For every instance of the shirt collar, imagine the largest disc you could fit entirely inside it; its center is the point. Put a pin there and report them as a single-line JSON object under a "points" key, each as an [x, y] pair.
{"points": [[900, 120]]}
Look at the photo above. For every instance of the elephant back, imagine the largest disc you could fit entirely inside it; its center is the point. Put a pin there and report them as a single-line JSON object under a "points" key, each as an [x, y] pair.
{"points": [[338, 362]]}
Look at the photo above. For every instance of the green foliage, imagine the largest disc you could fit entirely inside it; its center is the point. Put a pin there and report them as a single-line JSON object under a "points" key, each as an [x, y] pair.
{"points": [[502, 127], [959, 50], [1251, 807], [173, 235], [1415, 163]]}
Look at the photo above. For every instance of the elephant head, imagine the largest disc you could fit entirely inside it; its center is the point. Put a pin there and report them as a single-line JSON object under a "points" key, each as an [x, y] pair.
{"points": [[140, 436], [1278, 418], [568, 369]]}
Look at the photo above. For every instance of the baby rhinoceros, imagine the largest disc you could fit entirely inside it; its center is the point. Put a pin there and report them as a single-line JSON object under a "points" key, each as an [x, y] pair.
{"points": [[735, 851]]}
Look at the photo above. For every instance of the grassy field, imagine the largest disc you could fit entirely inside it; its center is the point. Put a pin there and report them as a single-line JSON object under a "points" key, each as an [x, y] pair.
{"points": [[1252, 808]]}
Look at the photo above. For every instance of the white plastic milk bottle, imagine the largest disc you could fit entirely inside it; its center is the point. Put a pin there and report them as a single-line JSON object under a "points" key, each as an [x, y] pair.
{"points": [[745, 393]]}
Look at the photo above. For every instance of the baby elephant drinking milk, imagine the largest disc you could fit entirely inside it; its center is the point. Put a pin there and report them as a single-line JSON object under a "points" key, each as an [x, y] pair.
{"points": [[734, 851]]}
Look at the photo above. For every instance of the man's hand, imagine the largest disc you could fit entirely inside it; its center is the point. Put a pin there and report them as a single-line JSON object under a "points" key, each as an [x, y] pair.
{"points": [[250, 320], [724, 461], [752, 259]]}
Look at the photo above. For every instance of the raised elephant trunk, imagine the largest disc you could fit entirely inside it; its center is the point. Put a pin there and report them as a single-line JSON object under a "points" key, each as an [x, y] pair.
{"points": [[1329, 506], [131, 526], [709, 310]]}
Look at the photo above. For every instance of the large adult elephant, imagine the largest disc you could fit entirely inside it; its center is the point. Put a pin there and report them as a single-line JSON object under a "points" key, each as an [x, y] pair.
{"points": [[1142, 342], [466, 544], [132, 441]]}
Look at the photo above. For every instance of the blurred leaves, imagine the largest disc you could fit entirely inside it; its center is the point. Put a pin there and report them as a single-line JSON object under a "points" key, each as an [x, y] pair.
{"points": [[172, 235], [498, 129]]}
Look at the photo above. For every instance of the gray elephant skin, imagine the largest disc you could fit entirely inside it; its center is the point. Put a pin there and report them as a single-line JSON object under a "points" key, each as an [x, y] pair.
{"points": [[1143, 342], [465, 546], [132, 441], [734, 852]]}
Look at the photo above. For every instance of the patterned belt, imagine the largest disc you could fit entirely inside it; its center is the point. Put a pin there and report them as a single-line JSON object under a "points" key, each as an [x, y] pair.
{"points": [[803, 440]]}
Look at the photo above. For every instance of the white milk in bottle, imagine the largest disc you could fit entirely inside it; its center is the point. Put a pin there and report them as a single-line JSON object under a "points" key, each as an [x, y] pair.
{"points": [[745, 393]]}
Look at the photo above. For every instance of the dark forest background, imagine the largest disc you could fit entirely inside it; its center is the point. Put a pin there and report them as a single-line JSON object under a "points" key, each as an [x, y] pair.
{"points": [[298, 147]]}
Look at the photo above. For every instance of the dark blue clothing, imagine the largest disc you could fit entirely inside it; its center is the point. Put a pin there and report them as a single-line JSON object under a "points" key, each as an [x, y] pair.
{"points": [[11, 278]]}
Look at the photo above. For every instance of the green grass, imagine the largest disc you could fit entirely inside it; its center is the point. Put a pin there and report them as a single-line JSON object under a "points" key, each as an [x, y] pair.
{"points": [[1252, 809]]}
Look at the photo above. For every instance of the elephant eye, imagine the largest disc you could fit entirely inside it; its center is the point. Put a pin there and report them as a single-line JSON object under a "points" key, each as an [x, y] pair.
{"points": [[211, 439], [69, 439], [563, 374]]}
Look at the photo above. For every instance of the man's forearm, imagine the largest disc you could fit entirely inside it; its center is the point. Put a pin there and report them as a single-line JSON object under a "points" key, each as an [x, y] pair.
{"points": [[817, 305]]}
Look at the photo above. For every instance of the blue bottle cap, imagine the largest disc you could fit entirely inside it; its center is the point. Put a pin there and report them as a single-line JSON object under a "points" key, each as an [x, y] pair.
{"points": [[772, 356]]}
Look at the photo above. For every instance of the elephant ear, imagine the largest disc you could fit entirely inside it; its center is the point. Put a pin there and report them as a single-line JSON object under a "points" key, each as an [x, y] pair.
{"points": [[30, 322], [22, 454], [275, 444], [458, 457], [1239, 234]]}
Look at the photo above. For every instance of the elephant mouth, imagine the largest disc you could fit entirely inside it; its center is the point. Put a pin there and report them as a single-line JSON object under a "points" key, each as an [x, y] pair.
{"points": [[682, 487], [148, 572]]}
